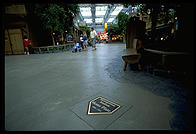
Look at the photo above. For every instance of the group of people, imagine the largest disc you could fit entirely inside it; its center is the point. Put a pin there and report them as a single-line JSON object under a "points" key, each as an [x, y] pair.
{"points": [[83, 43]]}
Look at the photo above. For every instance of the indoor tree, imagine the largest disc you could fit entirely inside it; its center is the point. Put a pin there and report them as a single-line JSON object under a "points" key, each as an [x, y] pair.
{"points": [[122, 19], [113, 30], [53, 18], [57, 18], [85, 29]]}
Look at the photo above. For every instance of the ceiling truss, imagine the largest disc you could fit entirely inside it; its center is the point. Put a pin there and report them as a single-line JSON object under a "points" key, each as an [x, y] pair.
{"points": [[106, 16]]}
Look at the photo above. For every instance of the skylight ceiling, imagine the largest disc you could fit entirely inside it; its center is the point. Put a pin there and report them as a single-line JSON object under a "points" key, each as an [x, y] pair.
{"points": [[117, 10], [88, 20], [110, 20], [98, 20], [99, 13], [85, 11], [100, 10]]}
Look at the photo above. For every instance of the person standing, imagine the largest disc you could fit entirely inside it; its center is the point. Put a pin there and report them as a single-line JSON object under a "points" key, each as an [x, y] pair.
{"points": [[93, 36], [140, 50], [26, 43], [85, 43], [74, 49], [81, 41]]}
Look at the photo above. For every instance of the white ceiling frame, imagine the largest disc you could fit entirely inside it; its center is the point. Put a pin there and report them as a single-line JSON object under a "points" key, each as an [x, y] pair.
{"points": [[97, 11]]}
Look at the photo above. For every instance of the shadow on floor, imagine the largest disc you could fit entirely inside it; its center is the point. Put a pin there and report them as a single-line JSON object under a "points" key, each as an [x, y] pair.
{"points": [[178, 90]]}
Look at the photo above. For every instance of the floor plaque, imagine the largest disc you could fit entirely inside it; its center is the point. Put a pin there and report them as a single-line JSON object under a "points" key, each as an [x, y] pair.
{"points": [[106, 110], [101, 105]]}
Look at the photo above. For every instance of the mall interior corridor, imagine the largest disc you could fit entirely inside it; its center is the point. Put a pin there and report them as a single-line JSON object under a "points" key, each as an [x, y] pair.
{"points": [[52, 92], [139, 76]]}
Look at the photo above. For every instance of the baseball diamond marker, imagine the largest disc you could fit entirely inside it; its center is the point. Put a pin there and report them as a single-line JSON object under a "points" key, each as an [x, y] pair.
{"points": [[101, 105]]}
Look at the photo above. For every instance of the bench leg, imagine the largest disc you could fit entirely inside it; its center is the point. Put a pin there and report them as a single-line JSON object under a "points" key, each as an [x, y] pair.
{"points": [[125, 66], [40, 50]]}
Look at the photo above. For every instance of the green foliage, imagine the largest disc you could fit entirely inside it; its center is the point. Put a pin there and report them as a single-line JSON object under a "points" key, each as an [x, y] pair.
{"points": [[58, 17], [120, 27], [113, 30], [143, 9], [53, 17], [166, 15], [158, 13], [164, 12], [71, 11], [122, 18], [85, 29]]}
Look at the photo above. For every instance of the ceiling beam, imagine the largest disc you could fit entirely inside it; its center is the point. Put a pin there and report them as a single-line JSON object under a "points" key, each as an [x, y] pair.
{"points": [[80, 16], [106, 16], [127, 10], [90, 17], [110, 9], [84, 5], [89, 5], [93, 13], [123, 10]]}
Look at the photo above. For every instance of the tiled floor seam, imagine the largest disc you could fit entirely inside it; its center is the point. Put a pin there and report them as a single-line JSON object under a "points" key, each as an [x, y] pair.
{"points": [[83, 120], [118, 117]]}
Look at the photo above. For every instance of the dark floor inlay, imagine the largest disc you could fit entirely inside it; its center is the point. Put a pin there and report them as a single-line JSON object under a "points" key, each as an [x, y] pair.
{"points": [[101, 105]]}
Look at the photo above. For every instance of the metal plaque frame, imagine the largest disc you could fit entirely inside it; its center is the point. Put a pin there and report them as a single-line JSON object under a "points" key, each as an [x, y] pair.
{"points": [[96, 113]]}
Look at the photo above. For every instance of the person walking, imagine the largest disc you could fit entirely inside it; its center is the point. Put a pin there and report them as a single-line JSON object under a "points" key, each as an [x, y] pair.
{"points": [[26, 43], [81, 41], [93, 36], [85, 41]]}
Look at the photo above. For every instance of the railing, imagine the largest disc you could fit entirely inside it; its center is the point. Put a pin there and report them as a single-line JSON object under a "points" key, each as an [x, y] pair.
{"points": [[165, 54], [49, 49]]}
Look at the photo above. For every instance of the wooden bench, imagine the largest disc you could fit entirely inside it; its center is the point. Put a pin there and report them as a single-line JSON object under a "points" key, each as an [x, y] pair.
{"points": [[130, 55]]}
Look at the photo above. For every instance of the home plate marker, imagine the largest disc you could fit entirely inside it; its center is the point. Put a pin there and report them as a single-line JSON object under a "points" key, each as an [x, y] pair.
{"points": [[101, 105]]}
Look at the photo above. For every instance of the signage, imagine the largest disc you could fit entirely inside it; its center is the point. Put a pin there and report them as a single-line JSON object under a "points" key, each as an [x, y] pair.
{"points": [[106, 26], [101, 105]]}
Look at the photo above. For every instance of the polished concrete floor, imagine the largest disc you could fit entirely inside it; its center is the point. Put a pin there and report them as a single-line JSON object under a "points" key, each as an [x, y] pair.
{"points": [[52, 91]]}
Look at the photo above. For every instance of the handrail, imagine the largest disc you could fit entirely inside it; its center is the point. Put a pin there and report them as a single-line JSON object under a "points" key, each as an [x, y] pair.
{"points": [[58, 46], [165, 52]]}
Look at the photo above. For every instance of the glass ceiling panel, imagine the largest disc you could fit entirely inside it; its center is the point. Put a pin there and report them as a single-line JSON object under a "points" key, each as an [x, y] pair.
{"points": [[98, 20], [101, 4], [101, 8], [85, 11], [98, 13], [88, 20], [110, 19], [117, 10]]}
